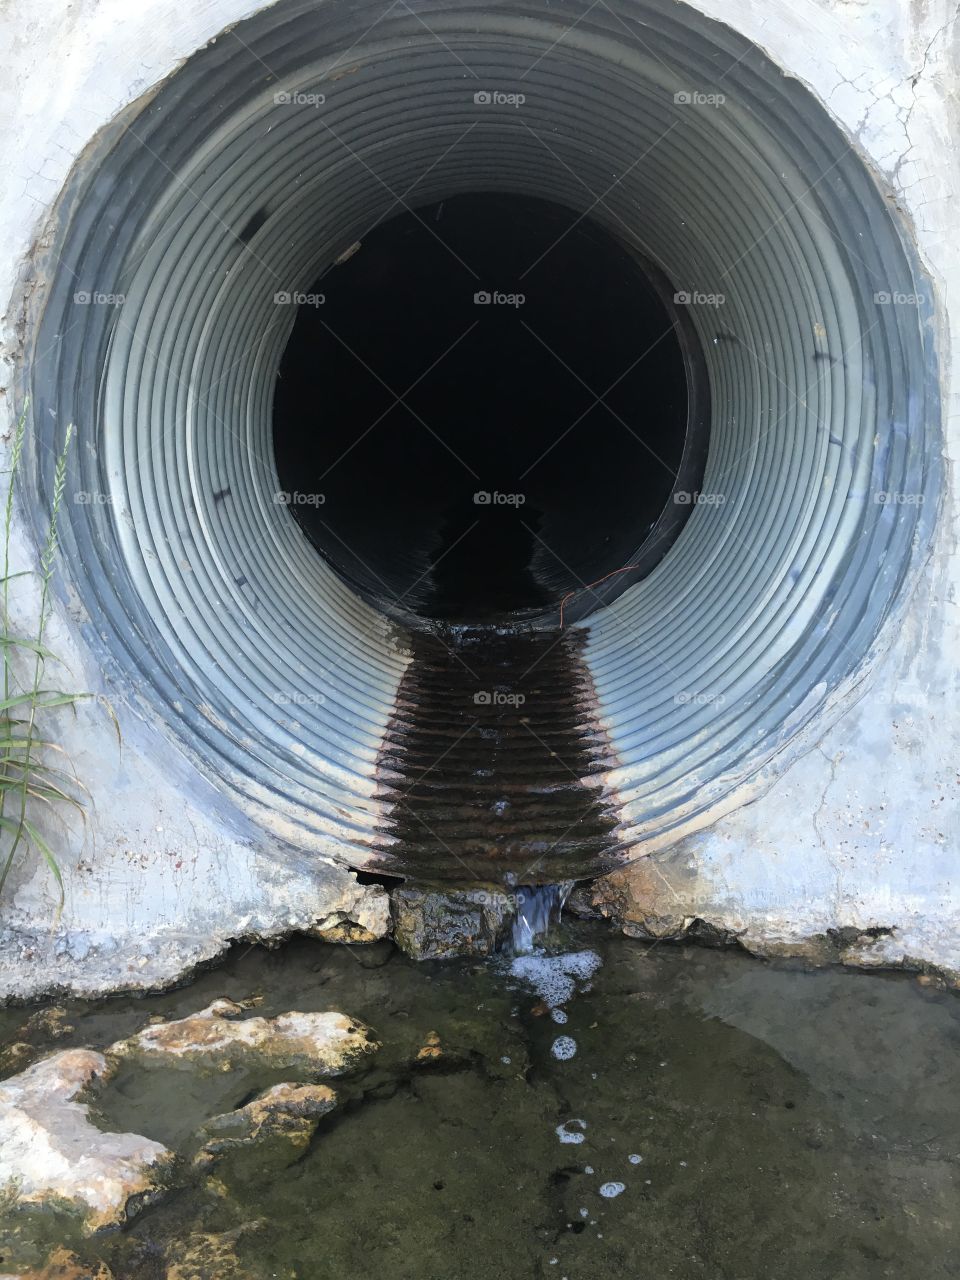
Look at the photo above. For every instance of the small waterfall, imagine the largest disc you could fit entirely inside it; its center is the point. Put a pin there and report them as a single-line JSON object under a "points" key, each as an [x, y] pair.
{"points": [[538, 907]]}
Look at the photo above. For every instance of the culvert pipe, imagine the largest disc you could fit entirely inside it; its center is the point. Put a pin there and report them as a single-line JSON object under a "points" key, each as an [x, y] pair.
{"points": [[257, 167]]}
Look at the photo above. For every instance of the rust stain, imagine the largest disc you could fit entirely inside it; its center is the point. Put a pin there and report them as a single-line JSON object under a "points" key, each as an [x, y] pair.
{"points": [[493, 764]]}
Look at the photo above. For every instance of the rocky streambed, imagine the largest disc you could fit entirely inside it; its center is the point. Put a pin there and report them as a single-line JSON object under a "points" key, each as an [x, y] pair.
{"points": [[603, 1107]]}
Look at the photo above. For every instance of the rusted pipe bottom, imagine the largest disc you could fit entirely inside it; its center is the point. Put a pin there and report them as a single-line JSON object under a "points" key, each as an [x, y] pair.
{"points": [[492, 761]]}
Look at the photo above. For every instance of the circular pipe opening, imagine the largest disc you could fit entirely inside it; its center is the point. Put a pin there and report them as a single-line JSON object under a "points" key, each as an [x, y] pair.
{"points": [[159, 326], [483, 407]]}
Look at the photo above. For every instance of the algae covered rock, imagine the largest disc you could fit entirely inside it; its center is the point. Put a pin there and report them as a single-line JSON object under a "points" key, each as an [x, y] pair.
{"points": [[50, 1152], [362, 915], [64, 1265], [434, 926], [431, 1050], [210, 1256], [219, 1037], [32, 1040], [283, 1119]]}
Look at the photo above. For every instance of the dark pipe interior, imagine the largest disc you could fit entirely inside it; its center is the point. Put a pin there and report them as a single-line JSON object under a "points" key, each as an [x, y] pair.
{"points": [[401, 398]]}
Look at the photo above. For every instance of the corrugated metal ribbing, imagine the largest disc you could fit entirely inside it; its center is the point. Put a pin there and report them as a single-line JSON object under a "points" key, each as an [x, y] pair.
{"points": [[234, 185]]}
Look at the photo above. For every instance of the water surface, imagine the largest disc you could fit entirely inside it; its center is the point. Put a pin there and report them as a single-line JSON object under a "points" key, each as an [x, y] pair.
{"points": [[717, 1117]]}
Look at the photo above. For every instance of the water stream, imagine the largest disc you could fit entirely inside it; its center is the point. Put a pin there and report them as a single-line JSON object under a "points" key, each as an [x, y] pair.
{"points": [[493, 763], [539, 909]]}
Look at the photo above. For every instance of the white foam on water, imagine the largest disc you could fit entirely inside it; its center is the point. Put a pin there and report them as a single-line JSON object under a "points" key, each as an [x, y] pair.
{"points": [[635, 1159], [563, 1048], [555, 978], [611, 1189], [558, 1015], [566, 1134]]}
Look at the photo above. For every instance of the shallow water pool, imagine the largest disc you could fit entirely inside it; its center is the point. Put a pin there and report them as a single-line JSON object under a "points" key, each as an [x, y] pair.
{"points": [[615, 1110]]}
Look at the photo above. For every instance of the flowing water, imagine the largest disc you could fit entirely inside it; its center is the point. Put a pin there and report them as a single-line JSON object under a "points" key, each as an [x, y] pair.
{"points": [[493, 762], [538, 910], [605, 1110]]}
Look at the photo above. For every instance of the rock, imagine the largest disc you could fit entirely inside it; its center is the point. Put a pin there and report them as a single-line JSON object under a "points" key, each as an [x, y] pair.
{"points": [[17, 1055], [50, 1152], [640, 899], [321, 1043], [50, 1022], [348, 931], [211, 1257], [431, 1049], [33, 1038], [362, 915], [657, 898], [64, 1265], [433, 926], [287, 1115]]}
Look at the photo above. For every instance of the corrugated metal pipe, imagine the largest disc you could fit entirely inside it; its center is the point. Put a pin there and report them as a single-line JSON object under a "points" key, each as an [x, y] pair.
{"points": [[804, 434]]}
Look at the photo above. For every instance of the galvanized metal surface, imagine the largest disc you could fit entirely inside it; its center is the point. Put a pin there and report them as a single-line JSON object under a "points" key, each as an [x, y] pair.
{"points": [[205, 602]]}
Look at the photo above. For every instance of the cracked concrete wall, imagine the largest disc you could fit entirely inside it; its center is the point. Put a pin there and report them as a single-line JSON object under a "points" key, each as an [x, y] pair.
{"points": [[852, 854], [854, 844]]}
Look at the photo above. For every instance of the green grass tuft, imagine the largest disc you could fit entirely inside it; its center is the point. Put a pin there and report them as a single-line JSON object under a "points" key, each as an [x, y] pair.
{"points": [[27, 778]]}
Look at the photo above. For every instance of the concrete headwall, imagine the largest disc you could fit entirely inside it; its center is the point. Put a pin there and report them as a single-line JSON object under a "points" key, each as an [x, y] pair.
{"points": [[855, 843]]}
